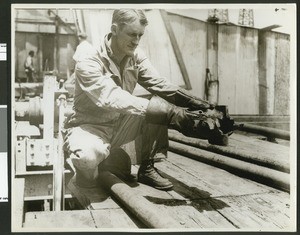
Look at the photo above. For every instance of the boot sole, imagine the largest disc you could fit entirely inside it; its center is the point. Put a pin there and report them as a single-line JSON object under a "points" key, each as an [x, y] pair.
{"points": [[166, 188]]}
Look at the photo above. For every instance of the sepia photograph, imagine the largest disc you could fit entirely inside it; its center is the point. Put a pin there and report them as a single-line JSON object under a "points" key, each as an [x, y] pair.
{"points": [[153, 117]]}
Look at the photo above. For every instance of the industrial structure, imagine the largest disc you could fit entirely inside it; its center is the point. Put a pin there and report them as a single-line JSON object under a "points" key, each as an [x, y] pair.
{"points": [[243, 186]]}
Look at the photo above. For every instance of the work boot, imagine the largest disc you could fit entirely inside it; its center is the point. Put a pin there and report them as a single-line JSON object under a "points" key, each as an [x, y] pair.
{"points": [[149, 175]]}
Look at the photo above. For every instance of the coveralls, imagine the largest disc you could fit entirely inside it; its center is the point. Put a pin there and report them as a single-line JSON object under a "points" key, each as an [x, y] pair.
{"points": [[28, 65], [106, 114]]}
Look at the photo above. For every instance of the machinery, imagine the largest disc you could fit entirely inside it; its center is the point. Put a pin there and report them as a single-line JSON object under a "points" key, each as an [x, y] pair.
{"points": [[39, 145]]}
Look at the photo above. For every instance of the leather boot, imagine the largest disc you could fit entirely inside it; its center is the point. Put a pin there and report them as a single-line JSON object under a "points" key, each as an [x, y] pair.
{"points": [[149, 175]]}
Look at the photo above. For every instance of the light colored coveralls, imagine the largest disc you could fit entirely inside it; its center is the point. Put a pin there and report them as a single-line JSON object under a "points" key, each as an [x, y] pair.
{"points": [[106, 114], [29, 69]]}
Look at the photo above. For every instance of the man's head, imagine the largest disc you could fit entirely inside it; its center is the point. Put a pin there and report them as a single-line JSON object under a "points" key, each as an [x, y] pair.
{"points": [[31, 53], [82, 37], [128, 26]]}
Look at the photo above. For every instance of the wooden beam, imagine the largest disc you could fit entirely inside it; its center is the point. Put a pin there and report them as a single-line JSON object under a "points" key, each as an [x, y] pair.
{"points": [[212, 63], [176, 49], [269, 28]]}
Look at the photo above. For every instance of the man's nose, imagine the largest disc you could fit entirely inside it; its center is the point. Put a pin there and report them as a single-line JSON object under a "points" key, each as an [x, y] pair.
{"points": [[136, 40]]}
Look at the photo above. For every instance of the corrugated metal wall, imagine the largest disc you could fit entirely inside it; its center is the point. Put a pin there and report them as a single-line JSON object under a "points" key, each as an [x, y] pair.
{"points": [[238, 69], [252, 65]]}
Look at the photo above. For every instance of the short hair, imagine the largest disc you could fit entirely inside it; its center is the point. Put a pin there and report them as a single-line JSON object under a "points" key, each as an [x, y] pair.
{"points": [[31, 53], [127, 16]]}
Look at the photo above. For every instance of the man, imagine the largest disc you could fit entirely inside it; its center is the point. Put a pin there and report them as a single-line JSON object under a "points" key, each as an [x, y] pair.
{"points": [[83, 49], [28, 65], [107, 115]]}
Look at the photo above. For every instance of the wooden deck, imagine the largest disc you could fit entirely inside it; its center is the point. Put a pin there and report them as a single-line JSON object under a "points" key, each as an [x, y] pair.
{"points": [[203, 198], [206, 195]]}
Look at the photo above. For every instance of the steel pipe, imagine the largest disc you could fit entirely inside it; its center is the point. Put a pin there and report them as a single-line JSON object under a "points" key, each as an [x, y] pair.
{"points": [[266, 131], [231, 151], [254, 172], [144, 210]]}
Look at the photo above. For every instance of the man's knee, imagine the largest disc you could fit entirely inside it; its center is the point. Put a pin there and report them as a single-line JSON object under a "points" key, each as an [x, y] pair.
{"points": [[90, 157]]}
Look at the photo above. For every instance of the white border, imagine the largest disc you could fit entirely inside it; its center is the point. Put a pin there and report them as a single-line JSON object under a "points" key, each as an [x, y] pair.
{"points": [[293, 86]]}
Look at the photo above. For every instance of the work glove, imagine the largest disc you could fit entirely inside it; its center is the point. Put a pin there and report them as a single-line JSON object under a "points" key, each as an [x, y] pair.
{"points": [[195, 124], [184, 99]]}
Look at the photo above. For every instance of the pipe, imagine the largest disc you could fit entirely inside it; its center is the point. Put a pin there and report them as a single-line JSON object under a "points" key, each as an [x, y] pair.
{"points": [[58, 162], [32, 111], [231, 151], [266, 131], [257, 173], [144, 210]]}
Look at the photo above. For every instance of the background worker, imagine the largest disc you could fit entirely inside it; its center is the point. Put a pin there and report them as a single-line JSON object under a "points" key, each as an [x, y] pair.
{"points": [[107, 115], [28, 65], [84, 48]]}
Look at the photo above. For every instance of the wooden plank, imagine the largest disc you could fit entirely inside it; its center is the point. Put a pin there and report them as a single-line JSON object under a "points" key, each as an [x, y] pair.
{"points": [[266, 59], [283, 77], [151, 192], [196, 215], [79, 219], [176, 49], [238, 73], [263, 212], [235, 198], [92, 198], [112, 218], [193, 49], [18, 204], [196, 180], [156, 36], [188, 213]]}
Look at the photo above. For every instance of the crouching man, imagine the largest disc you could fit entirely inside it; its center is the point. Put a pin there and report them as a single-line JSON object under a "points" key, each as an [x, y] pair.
{"points": [[107, 115]]}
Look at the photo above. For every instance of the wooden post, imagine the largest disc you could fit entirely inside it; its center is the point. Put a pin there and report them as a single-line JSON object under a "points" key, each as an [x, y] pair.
{"points": [[58, 161], [56, 43], [212, 63], [48, 119], [266, 72]]}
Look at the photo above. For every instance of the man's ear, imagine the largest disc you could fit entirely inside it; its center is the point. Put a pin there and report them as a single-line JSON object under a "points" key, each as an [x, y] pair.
{"points": [[114, 29]]}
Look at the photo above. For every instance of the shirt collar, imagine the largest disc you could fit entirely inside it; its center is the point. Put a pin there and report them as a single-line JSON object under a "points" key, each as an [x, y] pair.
{"points": [[106, 51]]}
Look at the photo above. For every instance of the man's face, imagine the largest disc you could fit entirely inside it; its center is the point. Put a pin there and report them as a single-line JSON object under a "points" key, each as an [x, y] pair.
{"points": [[128, 37]]}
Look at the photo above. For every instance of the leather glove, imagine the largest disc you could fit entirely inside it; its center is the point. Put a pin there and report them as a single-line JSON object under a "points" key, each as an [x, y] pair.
{"points": [[184, 99], [190, 123], [160, 111]]}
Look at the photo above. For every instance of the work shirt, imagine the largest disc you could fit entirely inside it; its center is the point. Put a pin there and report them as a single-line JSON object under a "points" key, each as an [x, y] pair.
{"points": [[103, 91]]}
